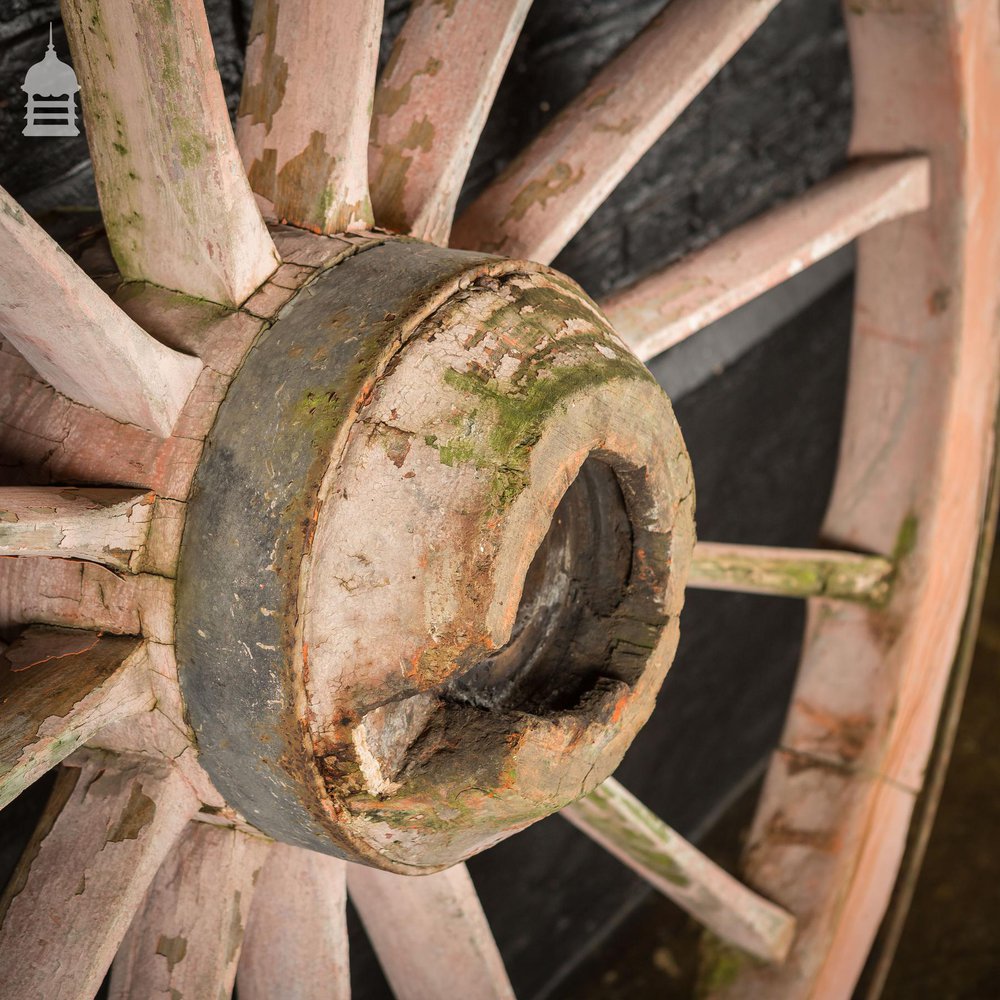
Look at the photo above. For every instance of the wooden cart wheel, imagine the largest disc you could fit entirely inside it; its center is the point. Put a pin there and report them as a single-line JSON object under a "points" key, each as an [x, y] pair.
{"points": [[339, 555]]}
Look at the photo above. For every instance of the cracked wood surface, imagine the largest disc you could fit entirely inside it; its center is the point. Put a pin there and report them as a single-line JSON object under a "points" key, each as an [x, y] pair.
{"points": [[77, 339], [622, 825], [75, 594], [104, 833], [175, 200], [108, 526], [296, 938], [185, 940], [547, 194], [58, 687], [430, 934], [430, 107], [667, 307], [305, 110]]}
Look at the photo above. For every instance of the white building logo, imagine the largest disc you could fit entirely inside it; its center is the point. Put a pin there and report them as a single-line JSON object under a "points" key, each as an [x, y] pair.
{"points": [[51, 88]]}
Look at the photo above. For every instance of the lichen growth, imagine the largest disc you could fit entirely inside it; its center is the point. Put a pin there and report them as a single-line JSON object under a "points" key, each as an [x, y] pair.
{"points": [[138, 813], [173, 949], [720, 965], [627, 823], [906, 539], [559, 178]]}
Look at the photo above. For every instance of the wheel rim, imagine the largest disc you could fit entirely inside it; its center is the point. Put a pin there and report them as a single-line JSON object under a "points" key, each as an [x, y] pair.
{"points": [[906, 507]]}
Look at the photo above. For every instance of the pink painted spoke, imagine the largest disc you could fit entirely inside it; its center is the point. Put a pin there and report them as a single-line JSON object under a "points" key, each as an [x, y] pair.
{"points": [[431, 105], [85, 595], [544, 198], [296, 940], [759, 569], [175, 200], [622, 825], [58, 687], [103, 525], [76, 338], [430, 934], [666, 308], [185, 941], [305, 111], [98, 845]]}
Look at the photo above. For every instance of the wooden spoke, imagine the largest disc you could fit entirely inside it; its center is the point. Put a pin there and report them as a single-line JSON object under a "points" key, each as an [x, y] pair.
{"points": [[77, 338], [305, 110], [296, 940], [430, 107], [547, 194], [667, 307], [175, 200], [620, 823], [106, 526], [757, 569], [186, 939], [85, 595], [97, 847], [58, 687], [430, 934]]}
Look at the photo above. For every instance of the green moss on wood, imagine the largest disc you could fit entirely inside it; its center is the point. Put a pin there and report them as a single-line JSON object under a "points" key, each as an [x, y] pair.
{"points": [[906, 540], [627, 823], [720, 965]]}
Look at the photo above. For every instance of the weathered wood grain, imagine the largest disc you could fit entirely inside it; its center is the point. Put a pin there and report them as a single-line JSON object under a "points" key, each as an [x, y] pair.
{"points": [[430, 106], [547, 194], [305, 110], [176, 203], [759, 569], [58, 687], [104, 525], [76, 338], [296, 938], [621, 824], [667, 307], [97, 847], [185, 940], [430, 934]]}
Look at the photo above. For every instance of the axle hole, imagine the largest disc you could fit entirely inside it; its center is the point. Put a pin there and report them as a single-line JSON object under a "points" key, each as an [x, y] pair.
{"points": [[564, 632]]}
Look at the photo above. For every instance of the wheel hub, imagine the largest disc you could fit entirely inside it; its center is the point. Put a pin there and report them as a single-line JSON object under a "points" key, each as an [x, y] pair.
{"points": [[432, 566]]}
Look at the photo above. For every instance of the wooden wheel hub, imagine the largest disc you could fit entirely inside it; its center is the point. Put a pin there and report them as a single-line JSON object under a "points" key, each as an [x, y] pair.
{"points": [[393, 641]]}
